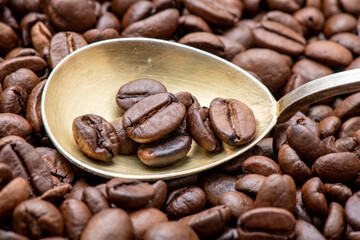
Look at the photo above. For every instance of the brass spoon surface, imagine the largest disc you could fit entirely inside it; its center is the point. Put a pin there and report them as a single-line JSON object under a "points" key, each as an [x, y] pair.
{"points": [[87, 82]]}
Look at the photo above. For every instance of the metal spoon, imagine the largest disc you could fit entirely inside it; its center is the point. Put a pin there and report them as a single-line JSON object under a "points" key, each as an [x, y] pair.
{"points": [[87, 81]]}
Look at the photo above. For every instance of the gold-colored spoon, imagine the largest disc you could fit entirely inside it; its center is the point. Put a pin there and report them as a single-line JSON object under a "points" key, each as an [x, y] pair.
{"points": [[87, 82]]}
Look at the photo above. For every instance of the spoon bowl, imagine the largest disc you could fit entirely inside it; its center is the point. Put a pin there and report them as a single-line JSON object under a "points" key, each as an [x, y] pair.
{"points": [[87, 82]]}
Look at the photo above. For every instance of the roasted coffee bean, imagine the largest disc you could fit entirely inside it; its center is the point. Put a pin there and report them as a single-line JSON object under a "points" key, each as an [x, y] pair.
{"points": [[160, 195], [76, 215], [137, 12], [21, 52], [192, 23], [306, 231], [215, 184], [241, 34], [9, 139], [143, 219], [129, 194], [96, 35], [182, 182], [56, 194], [290, 6], [108, 20], [96, 137], [310, 69], [40, 38], [250, 184], [352, 210], [307, 145], [206, 41], [349, 40], [119, 7], [346, 144], [208, 222], [184, 201], [28, 21], [136, 90], [312, 19], [277, 191], [295, 81], [233, 121], [267, 222], [9, 39], [37, 218], [337, 192], [348, 108], [153, 26], [171, 230], [165, 151], [64, 43], [331, 7], [200, 128], [273, 35], [260, 165], [15, 192], [5, 175], [313, 197], [13, 124], [65, 15], [238, 202], [78, 189], [335, 223], [13, 100], [319, 112], [300, 211], [25, 162], [127, 145], [291, 164], [23, 78], [231, 47], [285, 19], [7, 17], [105, 225], [338, 23], [349, 127], [337, 167], [273, 74], [9, 235], [266, 145], [229, 234], [57, 164], [95, 200], [162, 110], [329, 126], [185, 98]]}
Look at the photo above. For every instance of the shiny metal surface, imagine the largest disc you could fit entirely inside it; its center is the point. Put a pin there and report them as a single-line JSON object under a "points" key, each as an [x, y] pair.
{"points": [[88, 80]]}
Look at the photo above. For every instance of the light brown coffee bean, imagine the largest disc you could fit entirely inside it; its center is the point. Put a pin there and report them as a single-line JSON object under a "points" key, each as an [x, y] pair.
{"points": [[348, 108], [9, 39], [40, 38], [312, 19], [250, 184], [346, 144], [171, 230], [97, 35], [289, 6], [338, 23], [310, 69], [238, 202], [260, 165], [24, 78], [95, 200]]}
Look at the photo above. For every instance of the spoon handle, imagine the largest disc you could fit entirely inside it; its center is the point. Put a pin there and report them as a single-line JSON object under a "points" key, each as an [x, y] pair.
{"points": [[316, 90]]}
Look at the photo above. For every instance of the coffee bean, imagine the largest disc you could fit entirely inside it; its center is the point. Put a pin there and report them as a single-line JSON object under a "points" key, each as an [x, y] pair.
{"points": [[37, 218], [331, 7], [171, 230], [192, 23], [348, 107], [233, 121], [161, 110], [231, 47], [13, 100], [346, 144], [289, 6], [96, 35], [129, 194], [7, 17], [294, 81], [11, 235], [300, 211], [182, 182], [160, 194], [208, 222], [250, 184], [56, 194], [229, 234], [313, 197], [8, 40], [108, 20], [310, 69], [352, 208], [24, 78], [312, 20], [285, 19], [260, 165], [349, 40], [306, 231], [105, 225], [349, 127], [6, 175], [185, 98], [335, 223], [329, 126], [241, 34], [184, 201], [137, 12], [40, 38], [337, 192], [338, 23], [238, 202], [96, 137], [119, 7], [21, 52], [143, 219], [95, 200], [127, 145], [78, 190]]}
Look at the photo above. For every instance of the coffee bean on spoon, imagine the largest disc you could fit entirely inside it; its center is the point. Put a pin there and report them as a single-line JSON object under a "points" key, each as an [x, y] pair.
{"points": [[96, 137]]}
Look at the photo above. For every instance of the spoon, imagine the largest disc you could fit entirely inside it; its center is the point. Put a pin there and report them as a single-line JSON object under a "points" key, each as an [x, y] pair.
{"points": [[87, 81]]}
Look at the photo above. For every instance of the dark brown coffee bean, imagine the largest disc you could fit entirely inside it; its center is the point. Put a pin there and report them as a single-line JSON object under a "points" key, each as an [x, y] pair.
{"points": [[306, 231], [312, 19], [57, 164], [78, 189], [160, 195], [238, 202], [13, 124], [231, 47], [37, 218], [200, 128], [349, 40], [310, 69], [184, 201], [329, 126], [337, 167], [25, 162], [21, 52], [15, 192], [24, 78], [215, 184], [294, 81], [76, 215], [313, 197], [349, 127], [34, 63], [9, 139], [320, 51], [40, 38], [346, 144], [185, 98], [277, 191], [233, 121], [64, 43], [319, 112], [108, 20], [308, 146], [119, 7], [266, 145], [129, 194], [240, 34], [9, 39], [285, 19], [182, 182], [338, 23], [208, 222], [96, 137], [300, 211], [28, 21], [250, 184], [171, 230], [105, 225], [352, 208], [5, 175], [260, 165], [165, 151], [158, 29], [136, 90], [335, 223], [348, 108], [96, 35], [13, 100], [66, 17], [56, 194], [143, 219], [137, 12], [95, 200], [267, 222], [192, 23], [337, 192], [161, 110], [256, 60], [291, 164]]}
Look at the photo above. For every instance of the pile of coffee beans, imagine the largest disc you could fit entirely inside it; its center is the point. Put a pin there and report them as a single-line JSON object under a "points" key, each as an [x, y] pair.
{"points": [[300, 182], [159, 126]]}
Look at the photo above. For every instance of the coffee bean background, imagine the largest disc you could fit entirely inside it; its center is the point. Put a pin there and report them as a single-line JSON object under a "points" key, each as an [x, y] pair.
{"points": [[300, 182]]}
